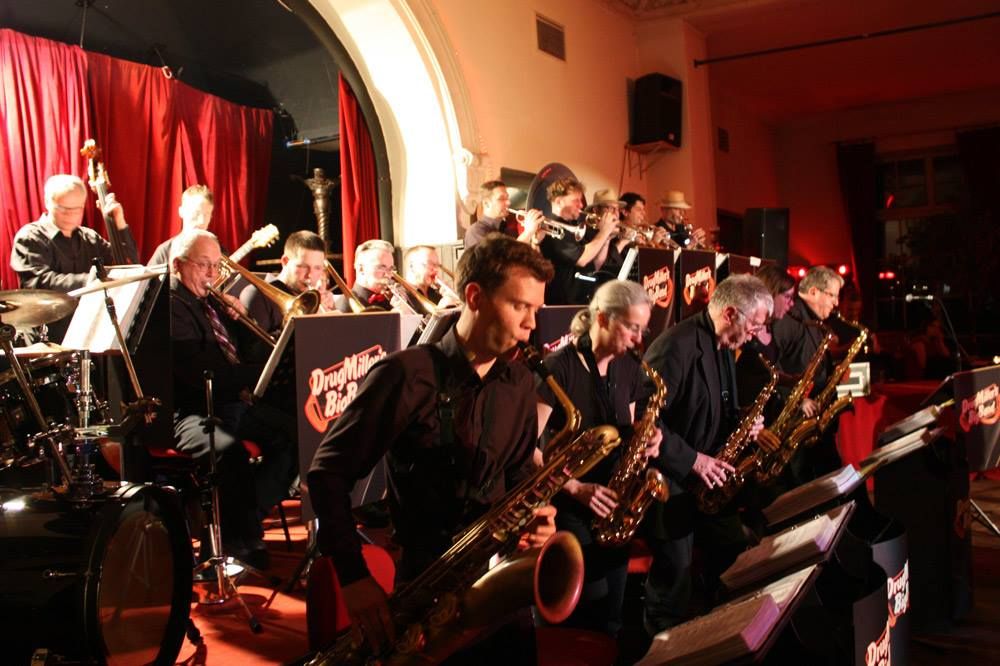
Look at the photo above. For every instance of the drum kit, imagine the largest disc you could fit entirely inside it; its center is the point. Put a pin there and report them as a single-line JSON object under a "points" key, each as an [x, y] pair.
{"points": [[94, 571]]}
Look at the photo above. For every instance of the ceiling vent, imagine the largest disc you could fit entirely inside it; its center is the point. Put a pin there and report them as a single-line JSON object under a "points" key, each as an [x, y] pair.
{"points": [[551, 37]]}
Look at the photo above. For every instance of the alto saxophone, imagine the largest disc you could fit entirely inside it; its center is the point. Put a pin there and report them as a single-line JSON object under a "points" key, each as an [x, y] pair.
{"points": [[773, 461], [808, 431], [636, 484], [737, 452], [451, 602]]}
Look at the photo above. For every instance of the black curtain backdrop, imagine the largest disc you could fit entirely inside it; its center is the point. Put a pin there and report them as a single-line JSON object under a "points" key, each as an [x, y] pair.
{"points": [[979, 151], [856, 166]]}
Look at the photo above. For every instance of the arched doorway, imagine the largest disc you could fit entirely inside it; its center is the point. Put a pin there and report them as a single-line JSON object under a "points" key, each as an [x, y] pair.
{"points": [[415, 103]]}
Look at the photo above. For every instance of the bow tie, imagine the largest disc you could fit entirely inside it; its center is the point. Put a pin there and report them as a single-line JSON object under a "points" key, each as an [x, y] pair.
{"points": [[376, 298]]}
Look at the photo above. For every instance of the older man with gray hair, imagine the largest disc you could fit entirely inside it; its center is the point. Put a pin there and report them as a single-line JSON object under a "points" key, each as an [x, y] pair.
{"points": [[374, 264], [696, 360]]}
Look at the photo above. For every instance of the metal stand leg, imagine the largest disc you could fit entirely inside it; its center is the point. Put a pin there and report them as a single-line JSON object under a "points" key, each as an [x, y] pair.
{"points": [[984, 518]]}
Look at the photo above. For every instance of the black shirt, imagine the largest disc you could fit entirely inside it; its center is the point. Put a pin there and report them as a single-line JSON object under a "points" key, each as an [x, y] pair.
{"points": [[563, 253], [46, 259], [485, 226], [266, 313], [604, 400], [434, 489], [797, 336]]}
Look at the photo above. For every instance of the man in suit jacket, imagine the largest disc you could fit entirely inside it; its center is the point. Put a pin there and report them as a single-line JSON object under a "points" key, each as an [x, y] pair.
{"points": [[202, 338], [373, 267], [695, 359]]}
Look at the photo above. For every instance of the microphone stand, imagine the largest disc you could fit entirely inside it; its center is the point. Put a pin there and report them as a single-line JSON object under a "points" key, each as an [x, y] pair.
{"points": [[217, 560]]}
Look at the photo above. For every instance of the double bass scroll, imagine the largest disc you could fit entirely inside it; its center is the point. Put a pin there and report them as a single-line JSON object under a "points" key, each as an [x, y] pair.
{"points": [[100, 183]]}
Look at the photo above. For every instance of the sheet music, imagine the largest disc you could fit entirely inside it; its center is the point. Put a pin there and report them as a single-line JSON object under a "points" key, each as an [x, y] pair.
{"points": [[785, 549], [91, 326], [812, 494], [901, 447], [725, 633]]}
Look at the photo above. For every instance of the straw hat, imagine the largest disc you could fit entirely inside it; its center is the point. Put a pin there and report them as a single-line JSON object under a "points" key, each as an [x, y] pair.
{"points": [[675, 199], [607, 197]]}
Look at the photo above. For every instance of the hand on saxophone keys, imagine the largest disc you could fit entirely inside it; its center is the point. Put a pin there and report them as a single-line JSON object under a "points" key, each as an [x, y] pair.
{"points": [[758, 425], [599, 499], [367, 606], [711, 471], [653, 445], [539, 529]]}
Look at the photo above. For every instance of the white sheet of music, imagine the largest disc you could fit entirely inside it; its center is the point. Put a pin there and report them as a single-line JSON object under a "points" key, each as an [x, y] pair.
{"points": [[812, 494], [91, 326]]}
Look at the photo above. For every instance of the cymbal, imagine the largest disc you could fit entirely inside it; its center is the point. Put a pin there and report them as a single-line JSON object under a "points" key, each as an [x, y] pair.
{"points": [[117, 282], [42, 348], [34, 307]]}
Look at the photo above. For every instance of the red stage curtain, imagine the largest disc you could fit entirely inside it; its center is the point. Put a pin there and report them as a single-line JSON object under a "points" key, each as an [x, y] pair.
{"points": [[44, 112], [161, 136], [358, 196], [856, 166]]}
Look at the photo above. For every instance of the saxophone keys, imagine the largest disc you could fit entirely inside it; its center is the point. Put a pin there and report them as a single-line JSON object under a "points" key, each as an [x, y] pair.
{"points": [[412, 641]]}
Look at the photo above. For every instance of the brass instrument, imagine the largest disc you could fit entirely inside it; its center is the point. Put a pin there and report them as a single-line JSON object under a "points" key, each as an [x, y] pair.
{"points": [[449, 604], [737, 453], [305, 303], [774, 460], [808, 431], [357, 307], [427, 305], [636, 484], [552, 227]]}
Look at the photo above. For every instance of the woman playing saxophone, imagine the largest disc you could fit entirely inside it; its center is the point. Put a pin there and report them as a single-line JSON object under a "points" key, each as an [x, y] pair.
{"points": [[604, 382]]}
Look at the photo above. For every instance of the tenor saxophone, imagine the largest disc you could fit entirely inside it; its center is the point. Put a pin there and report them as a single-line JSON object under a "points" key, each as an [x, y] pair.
{"points": [[738, 452], [448, 605], [636, 484], [808, 431], [774, 461]]}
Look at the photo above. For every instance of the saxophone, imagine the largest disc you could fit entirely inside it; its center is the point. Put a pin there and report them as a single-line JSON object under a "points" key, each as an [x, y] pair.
{"points": [[737, 453], [635, 484], [452, 602], [777, 456], [808, 431]]}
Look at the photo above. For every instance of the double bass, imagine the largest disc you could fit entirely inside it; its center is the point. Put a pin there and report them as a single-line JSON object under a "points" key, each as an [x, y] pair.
{"points": [[100, 183]]}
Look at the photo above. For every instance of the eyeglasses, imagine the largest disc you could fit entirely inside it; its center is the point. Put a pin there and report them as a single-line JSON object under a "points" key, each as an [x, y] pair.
{"points": [[752, 327], [631, 327], [68, 209], [831, 294], [205, 265], [382, 269]]}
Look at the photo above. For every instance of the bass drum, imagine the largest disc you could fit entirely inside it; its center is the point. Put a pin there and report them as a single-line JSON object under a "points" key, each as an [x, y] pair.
{"points": [[108, 581]]}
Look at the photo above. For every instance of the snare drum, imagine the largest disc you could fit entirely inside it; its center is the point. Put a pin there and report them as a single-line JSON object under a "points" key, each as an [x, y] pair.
{"points": [[108, 581], [53, 379]]}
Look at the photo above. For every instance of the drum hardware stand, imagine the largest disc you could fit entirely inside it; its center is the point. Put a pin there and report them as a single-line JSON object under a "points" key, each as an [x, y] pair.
{"points": [[217, 560], [7, 334]]}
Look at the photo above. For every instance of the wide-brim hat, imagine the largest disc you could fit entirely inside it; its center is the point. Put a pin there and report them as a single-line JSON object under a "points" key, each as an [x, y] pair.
{"points": [[675, 199], [607, 197]]}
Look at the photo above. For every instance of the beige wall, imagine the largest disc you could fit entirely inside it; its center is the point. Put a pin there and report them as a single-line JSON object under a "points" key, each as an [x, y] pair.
{"points": [[745, 177], [531, 109], [806, 160]]}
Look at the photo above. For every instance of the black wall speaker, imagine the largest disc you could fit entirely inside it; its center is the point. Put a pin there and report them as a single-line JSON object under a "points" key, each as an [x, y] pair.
{"points": [[656, 110], [765, 234]]}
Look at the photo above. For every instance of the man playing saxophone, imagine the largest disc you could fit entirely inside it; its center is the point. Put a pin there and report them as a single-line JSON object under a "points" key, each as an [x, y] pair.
{"points": [[797, 336], [695, 360], [458, 427], [603, 380]]}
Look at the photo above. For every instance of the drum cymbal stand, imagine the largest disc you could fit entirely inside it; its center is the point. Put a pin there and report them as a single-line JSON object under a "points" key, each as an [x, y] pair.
{"points": [[47, 435], [217, 560]]}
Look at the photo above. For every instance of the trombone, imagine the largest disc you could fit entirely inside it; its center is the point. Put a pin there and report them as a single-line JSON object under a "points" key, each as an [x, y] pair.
{"points": [[427, 305], [357, 307], [446, 290], [290, 305], [552, 227]]}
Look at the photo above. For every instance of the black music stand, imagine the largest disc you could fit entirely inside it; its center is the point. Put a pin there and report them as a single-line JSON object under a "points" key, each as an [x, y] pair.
{"points": [[977, 405]]}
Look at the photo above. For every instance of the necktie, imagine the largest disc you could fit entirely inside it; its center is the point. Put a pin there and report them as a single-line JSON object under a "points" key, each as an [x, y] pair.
{"points": [[221, 334]]}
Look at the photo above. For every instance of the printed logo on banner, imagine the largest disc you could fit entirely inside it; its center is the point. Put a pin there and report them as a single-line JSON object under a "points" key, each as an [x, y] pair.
{"points": [[981, 409], [899, 594], [878, 653], [660, 286], [557, 344], [332, 389], [699, 286]]}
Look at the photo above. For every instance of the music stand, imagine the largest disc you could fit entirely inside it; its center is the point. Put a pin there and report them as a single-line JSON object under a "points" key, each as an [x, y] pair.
{"points": [[977, 403]]}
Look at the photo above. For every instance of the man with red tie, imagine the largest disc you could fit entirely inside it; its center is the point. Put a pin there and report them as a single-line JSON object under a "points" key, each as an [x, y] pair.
{"points": [[373, 268]]}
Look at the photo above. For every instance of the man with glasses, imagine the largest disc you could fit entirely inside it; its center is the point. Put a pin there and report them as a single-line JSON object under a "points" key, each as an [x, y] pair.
{"points": [[695, 358], [797, 336], [373, 267], [203, 337], [56, 252], [422, 267]]}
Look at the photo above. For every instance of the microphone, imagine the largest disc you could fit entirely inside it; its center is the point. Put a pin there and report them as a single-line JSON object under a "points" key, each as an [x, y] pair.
{"points": [[919, 297]]}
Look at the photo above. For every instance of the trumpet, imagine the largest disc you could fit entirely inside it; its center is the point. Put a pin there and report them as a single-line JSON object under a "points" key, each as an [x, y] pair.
{"points": [[552, 227], [305, 303]]}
